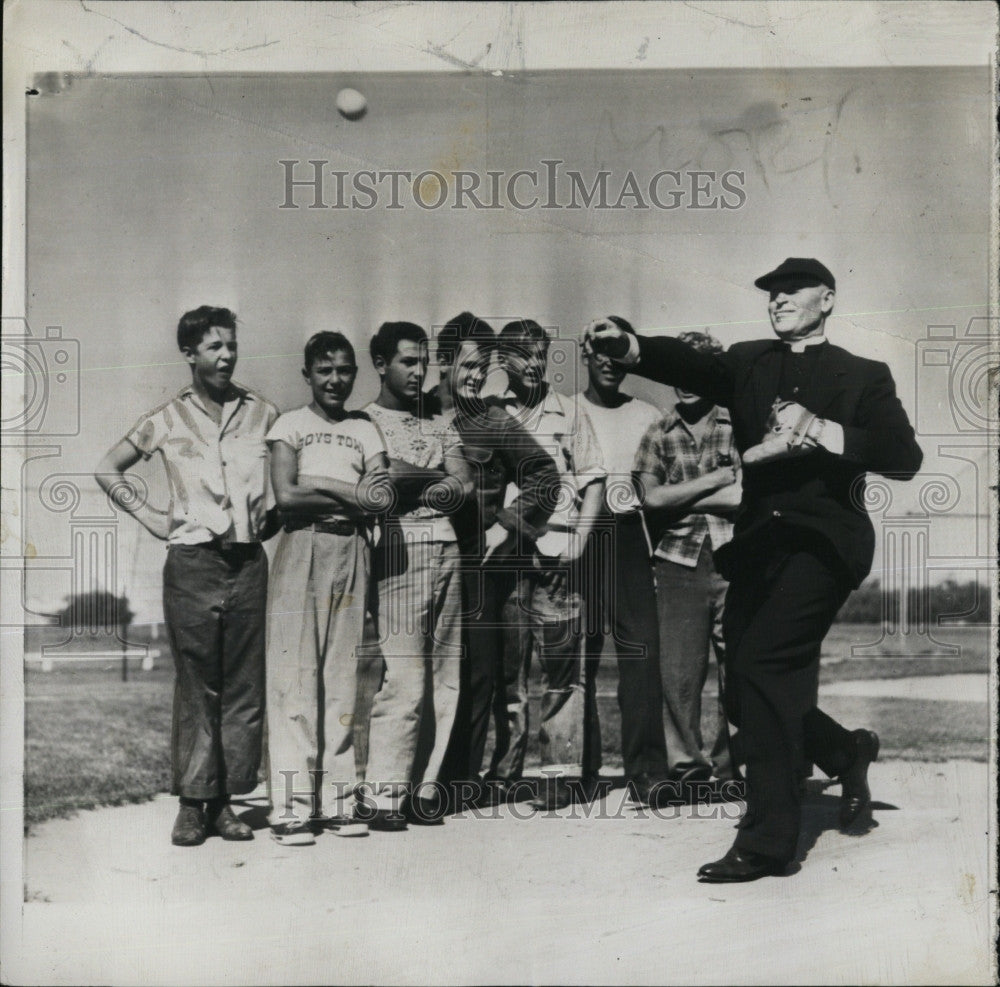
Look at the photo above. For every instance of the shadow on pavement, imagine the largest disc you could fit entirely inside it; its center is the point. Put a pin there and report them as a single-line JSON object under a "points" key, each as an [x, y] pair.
{"points": [[819, 814]]}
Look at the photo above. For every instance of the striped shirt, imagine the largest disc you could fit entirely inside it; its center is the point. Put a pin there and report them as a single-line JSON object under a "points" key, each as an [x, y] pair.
{"points": [[669, 452], [217, 472]]}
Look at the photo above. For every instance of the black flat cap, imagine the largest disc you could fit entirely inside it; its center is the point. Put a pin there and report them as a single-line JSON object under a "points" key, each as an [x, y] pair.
{"points": [[797, 267]]}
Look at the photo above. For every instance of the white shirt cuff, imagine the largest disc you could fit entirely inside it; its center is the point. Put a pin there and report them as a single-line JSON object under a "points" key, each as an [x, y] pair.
{"points": [[631, 358], [832, 438]]}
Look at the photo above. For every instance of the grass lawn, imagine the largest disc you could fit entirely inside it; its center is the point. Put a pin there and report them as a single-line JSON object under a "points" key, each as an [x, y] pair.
{"points": [[91, 739]]}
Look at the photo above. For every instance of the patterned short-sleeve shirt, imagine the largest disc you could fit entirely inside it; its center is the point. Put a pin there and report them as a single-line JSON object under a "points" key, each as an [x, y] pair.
{"points": [[217, 472], [422, 442]]}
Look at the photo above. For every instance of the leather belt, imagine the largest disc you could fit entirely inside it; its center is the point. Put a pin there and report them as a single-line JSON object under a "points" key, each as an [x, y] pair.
{"points": [[337, 527]]}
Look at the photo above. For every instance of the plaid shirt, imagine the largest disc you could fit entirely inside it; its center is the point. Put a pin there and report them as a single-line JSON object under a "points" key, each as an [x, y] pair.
{"points": [[669, 451]]}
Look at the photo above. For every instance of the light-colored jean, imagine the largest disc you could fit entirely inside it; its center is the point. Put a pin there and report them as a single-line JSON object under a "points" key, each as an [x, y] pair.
{"points": [[690, 601], [418, 623], [316, 612], [548, 622]]}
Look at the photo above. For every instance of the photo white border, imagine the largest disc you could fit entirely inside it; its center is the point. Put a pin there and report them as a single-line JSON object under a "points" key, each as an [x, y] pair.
{"points": [[94, 36]]}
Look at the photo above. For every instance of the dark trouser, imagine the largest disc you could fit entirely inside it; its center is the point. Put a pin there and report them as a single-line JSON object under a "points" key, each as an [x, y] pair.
{"points": [[214, 603], [621, 600], [484, 591], [691, 606], [782, 599]]}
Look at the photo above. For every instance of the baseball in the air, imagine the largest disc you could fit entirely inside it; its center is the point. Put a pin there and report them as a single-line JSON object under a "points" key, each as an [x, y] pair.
{"points": [[351, 104]]}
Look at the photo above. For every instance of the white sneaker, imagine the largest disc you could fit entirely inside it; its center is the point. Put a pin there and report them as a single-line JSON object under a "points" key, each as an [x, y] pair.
{"points": [[343, 825], [293, 834]]}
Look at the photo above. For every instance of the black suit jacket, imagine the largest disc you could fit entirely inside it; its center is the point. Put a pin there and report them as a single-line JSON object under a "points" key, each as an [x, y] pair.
{"points": [[819, 491]]}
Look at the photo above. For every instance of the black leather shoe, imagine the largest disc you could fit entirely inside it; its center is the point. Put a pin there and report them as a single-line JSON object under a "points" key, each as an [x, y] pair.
{"points": [[653, 792], [855, 795], [639, 788], [189, 826], [553, 794], [558, 793], [687, 774], [385, 821], [740, 865], [426, 811], [499, 791], [222, 820]]}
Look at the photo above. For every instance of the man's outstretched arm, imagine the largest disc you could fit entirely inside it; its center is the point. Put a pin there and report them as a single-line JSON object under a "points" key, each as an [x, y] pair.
{"points": [[665, 360]]}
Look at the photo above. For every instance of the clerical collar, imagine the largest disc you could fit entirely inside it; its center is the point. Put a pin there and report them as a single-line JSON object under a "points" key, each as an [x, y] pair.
{"points": [[801, 345]]}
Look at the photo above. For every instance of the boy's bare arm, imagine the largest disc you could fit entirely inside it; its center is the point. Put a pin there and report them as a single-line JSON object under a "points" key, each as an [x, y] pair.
{"points": [[681, 497], [110, 476], [724, 501], [312, 495]]}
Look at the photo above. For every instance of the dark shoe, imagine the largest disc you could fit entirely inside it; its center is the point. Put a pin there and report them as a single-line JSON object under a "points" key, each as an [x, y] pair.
{"points": [[224, 822], [638, 789], [740, 865], [687, 773], [558, 793], [426, 812], [855, 795], [189, 826], [653, 792], [501, 791], [385, 821]]}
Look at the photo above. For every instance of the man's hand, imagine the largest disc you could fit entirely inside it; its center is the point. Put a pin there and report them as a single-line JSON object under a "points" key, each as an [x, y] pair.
{"points": [[445, 495], [376, 493], [272, 524], [722, 476], [774, 447], [493, 538], [157, 523], [790, 433], [603, 336], [792, 420]]}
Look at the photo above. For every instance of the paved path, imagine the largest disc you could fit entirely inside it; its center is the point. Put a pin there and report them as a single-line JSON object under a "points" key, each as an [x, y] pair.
{"points": [[957, 688], [521, 898]]}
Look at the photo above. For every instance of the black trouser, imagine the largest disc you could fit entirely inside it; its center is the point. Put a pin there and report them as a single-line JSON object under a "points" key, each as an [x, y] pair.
{"points": [[484, 591], [621, 600], [215, 603], [783, 596]]}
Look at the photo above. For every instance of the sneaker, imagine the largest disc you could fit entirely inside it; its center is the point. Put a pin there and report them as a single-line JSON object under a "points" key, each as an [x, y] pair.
{"points": [[343, 824], [293, 834]]}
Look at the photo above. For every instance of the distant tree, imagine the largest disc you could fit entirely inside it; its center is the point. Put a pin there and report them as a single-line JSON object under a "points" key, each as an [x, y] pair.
{"points": [[865, 605], [949, 601], [96, 611], [954, 601]]}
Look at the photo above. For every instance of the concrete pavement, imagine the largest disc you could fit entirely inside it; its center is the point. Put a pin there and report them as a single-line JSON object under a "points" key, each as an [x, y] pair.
{"points": [[520, 897]]}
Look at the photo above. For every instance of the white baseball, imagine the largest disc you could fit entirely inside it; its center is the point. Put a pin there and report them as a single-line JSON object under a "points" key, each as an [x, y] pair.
{"points": [[351, 103]]}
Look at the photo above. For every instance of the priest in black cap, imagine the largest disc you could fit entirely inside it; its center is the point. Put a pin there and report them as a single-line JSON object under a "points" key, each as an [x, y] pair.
{"points": [[810, 420]]}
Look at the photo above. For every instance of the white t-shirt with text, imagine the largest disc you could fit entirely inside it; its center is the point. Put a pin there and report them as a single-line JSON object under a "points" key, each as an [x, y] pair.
{"points": [[328, 450]]}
